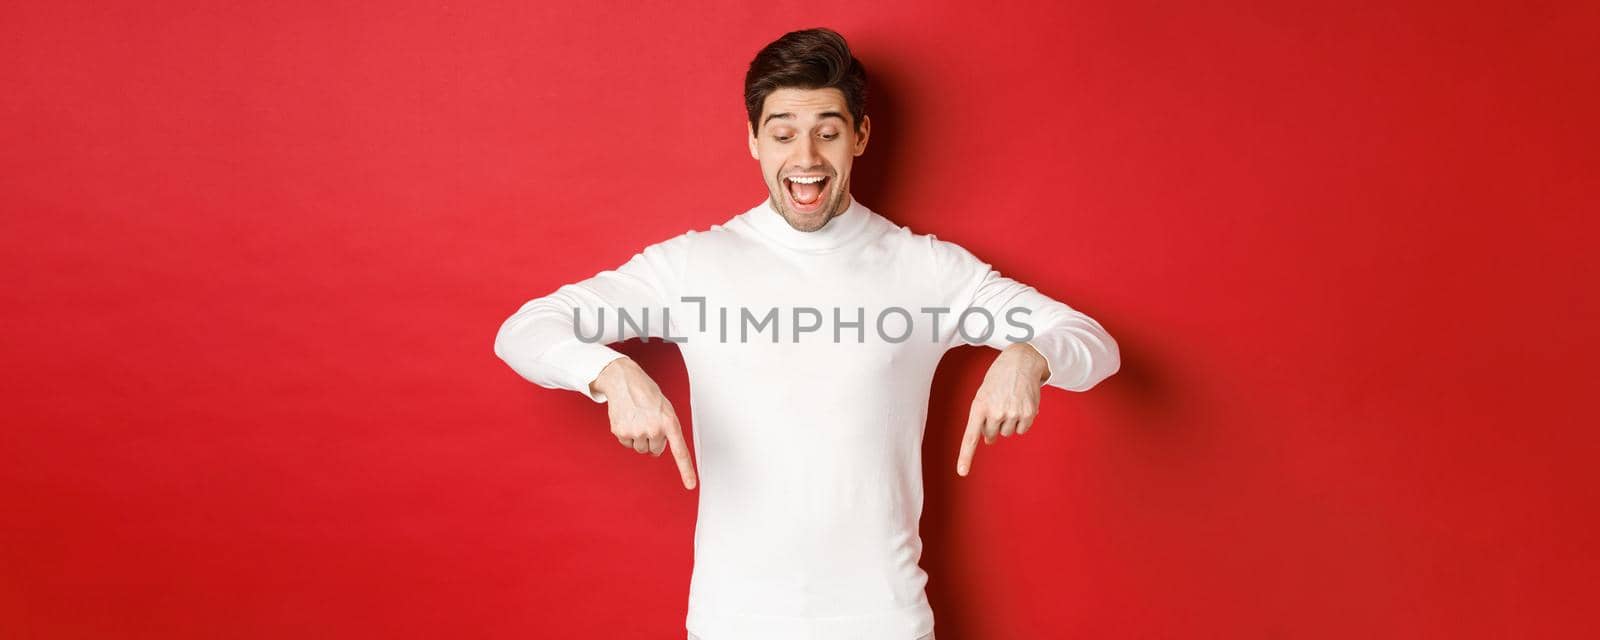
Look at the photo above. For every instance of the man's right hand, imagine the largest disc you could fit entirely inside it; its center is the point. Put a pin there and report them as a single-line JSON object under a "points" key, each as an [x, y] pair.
{"points": [[641, 417]]}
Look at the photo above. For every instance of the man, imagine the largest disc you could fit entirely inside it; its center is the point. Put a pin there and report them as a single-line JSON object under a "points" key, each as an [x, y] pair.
{"points": [[808, 432]]}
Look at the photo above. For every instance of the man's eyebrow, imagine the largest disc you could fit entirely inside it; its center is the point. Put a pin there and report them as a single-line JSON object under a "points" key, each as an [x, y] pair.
{"points": [[790, 116]]}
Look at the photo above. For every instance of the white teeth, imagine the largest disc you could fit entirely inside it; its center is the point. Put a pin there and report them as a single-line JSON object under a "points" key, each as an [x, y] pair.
{"points": [[806, 179]]}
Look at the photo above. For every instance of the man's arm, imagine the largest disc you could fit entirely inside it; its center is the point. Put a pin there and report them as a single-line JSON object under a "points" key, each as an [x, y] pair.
{"points": [[1042, 342], [1077, 351], [542, 343], [541, 340]]}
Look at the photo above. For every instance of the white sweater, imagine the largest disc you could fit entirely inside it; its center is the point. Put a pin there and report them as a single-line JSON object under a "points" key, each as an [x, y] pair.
{"points": [[808, 447]]}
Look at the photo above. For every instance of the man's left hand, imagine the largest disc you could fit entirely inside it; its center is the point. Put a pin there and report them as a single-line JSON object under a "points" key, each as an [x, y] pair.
{"points": [[1007, 401]]}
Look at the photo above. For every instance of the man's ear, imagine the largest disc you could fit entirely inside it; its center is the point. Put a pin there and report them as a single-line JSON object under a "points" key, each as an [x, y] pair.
{"points": [[751, 130], [861, 135]]}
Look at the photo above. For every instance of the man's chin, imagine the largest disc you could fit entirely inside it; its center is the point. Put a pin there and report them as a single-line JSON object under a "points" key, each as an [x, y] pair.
{"points": [[808, 221], [812, 224]]}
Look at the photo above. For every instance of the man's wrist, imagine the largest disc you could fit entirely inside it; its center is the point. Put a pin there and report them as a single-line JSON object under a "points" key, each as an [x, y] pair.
{"points": [[1038, 365], [609, 376]]}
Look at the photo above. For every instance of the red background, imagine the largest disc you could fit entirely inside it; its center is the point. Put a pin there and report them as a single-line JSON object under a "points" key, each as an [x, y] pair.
{"points": [[256, 257]]}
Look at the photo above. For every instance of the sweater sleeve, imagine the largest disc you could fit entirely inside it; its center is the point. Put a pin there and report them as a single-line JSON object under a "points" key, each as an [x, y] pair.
{"points": [[558, 341], [1079, 352]]}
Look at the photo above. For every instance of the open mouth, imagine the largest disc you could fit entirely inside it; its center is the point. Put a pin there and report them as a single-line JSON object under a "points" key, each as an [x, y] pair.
{"points": [[805, 192]]}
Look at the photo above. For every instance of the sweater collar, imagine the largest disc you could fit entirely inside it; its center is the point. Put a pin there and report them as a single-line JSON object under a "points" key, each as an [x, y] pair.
{"points": [[841, 229]]}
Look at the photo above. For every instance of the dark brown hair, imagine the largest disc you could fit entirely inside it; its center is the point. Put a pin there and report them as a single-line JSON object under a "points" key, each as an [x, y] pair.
{"points": [[806, 59]]}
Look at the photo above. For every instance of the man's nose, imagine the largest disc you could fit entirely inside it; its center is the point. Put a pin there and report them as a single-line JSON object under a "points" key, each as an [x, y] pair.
{"points": [[806, 156]]}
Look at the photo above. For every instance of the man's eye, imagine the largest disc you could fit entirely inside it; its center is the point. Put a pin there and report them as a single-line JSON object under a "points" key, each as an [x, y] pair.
{"points": [[829, 136], [782, 138]]}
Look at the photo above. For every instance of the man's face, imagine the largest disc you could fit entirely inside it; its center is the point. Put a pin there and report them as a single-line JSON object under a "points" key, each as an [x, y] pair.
{"points": [[806, 144]]}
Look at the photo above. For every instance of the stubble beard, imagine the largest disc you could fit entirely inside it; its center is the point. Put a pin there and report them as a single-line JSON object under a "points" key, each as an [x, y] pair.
{"points": [[781, 203]]}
